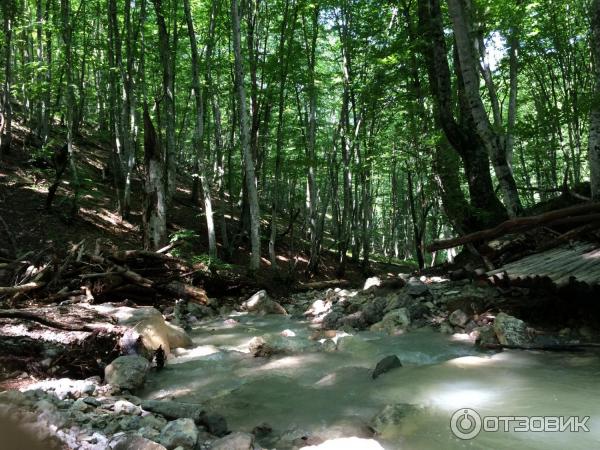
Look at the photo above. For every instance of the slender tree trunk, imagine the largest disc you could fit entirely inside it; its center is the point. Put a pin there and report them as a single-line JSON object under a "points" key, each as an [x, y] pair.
{"points": [[594, 138], [154, 216], [6, 116], [250, 175], [283, 70], [167, 58], [199, 125], [67, 34]]}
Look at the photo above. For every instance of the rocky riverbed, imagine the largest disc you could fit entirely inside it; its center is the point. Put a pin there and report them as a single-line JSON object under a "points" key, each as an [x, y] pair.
{"points": [[369, 368]]}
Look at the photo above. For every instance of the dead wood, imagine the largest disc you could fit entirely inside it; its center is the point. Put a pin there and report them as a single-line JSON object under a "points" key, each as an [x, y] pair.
{"points": [[26, 315], [519, 224], [27, 287]]}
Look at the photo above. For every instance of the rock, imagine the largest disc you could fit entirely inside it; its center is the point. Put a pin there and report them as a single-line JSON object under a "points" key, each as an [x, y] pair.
{"points": [[446, 328], [174, 410], [258, 347], [510, 330], [418, 311], [199, 311], [234, 441], [329, 345], [355, 320], [318, 308], [392, 416], [374, 311], [394, 322], [134, 442], [416, 288], [397, 300], [385, 365], [179, 433], [346, 443], [274, 344], [332, 321], [129, 423], [127, 372], [215, 424], [149, 323], [288, 333], [261, 303], [458, 318], [371, 282], [125, 407], [484, 336]]}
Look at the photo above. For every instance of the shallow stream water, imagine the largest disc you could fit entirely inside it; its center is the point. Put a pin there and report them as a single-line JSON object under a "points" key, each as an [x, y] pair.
{"points": [[331, 393]]}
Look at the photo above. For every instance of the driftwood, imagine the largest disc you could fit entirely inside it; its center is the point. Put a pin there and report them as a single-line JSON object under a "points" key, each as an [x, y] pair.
{"points": [[571, 215]]}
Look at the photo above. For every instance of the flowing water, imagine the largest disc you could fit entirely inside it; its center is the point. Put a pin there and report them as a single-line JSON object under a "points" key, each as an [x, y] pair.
{"points": [[332, 393]]}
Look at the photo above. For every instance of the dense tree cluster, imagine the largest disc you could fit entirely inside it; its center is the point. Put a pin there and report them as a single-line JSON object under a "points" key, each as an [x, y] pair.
{"points": [[376, 124]]}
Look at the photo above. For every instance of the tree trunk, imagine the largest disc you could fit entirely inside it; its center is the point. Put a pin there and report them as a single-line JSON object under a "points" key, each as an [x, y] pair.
{"points": [[250, 175], [594, 138], [154, 216], [199, 125], [6, 116], [167, 58], [489, 138], [487, 209], [67, 34]]}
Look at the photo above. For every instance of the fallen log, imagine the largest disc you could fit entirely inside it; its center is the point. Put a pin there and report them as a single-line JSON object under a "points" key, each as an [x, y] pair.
{"points": [[520, 224], [186, 291]]}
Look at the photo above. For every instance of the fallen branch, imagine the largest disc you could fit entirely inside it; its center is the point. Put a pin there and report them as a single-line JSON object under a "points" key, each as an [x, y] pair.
{"points": [[9, 290], [26, 315], [520, 224]]}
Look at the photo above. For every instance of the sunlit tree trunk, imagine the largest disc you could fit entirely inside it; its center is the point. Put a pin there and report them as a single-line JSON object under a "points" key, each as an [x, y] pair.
{"points": [[491, 140], [155, 210]]}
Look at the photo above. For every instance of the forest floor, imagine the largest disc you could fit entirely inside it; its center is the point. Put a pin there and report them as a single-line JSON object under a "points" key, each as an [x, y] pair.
{"points": [[24, 183]]}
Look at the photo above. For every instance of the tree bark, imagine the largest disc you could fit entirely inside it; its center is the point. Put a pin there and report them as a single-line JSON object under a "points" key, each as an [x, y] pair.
{"points": [[490, 139], [249, 172], [167, 58], [154, 216], [200, 95], [487, 209], [6, 114], [594, 137]]}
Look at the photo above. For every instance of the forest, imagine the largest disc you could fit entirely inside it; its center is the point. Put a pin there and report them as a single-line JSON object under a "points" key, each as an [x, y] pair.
{"points": [[215, 204]]}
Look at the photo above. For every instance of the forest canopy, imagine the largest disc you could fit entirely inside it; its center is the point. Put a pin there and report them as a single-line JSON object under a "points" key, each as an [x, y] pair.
{"points": [[376, 125]]}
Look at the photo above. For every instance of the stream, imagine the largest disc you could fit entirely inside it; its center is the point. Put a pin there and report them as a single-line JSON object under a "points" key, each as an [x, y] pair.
{"points": [[331, 394]]}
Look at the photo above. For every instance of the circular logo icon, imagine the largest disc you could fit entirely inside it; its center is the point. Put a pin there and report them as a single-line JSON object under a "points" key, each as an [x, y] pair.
{"points": [[465, 423]]}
